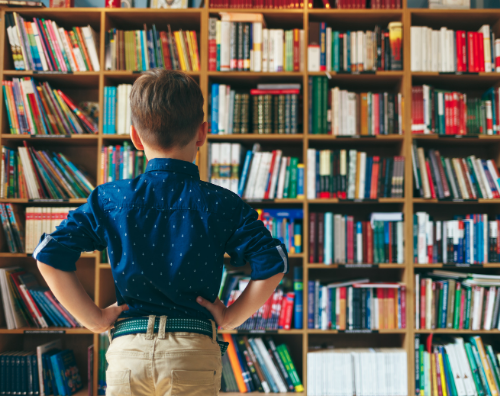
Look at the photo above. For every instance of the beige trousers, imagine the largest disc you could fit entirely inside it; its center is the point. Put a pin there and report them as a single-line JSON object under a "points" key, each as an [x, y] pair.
{"points": [[171, 364]]}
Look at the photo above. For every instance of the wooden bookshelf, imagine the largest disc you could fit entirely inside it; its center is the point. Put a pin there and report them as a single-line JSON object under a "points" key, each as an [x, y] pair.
{"points": [[85, 151]]}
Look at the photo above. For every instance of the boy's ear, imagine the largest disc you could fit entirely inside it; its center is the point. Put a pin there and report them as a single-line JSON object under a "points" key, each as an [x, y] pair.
{"points": [[136, 139], [202, 134]]}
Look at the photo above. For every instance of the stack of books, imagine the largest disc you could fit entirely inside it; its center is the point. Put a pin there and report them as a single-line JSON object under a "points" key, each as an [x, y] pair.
{"points": [[436, 111], [442, 177], [117, 113], [264, 175], [274, 108], [342, 113], [13, 228], [37, 109], [454, 51], [452, 366], [241, 42], [40, 220], [356, 305], [457, 300], [43, 46], [329, 175], [27, 304], [467, 239], [41, 174], [121, 162], [257, 364], [339, 239], [355, 51], [103, 364], [285, 225], [46, 371], [141, 50], [357, 372]]}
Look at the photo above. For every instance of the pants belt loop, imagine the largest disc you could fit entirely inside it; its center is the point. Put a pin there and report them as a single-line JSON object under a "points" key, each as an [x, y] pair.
{"points": [[161, 330], [110, 335], [214, 332], [151, 327]]}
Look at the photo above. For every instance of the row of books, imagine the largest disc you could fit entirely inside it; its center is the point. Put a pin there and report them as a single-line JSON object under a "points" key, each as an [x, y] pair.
{"points": [[241, 42], [13, 228], [374, 4], [449, 51], [332, 175], [141, 50], [442, 112], [258, 364], [37, 109], [342, 113], [357, 372], [468, 239], [264, 175], [254, 4], [339, 239], [285, 225], [27, 304], [48, 370], [117, 113], [41, 174], [271, 108], [455, 366], [42, 220], [355, 51], [356, 305], [121, 162], [457, 300], [442, 177], [41, 45], [360, 4]]}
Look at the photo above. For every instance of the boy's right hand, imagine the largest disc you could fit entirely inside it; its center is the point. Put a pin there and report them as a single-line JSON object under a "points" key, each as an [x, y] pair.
{"points": [[109, 316], [218, 311]]}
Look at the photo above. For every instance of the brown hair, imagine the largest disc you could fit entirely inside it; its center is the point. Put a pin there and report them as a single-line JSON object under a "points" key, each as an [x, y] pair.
{"points": [[167, 107]]}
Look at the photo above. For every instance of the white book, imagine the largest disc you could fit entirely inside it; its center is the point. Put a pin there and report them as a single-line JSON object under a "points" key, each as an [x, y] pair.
{"points": [[225, 165], [278, 49], [265, 50], [68, 49], [31, 181], [435, 50], [262, 176], [313, 58], [361, 50], [39, 46], [270, 55], [276, 172], [311, 173], [90, 37], [351, 116], [490, 302], [478, 176], [222, 109], [281, 178], [40, 350], [485, 30], [417, 301], [254, 168], [257, 47], [354, 50], [399, 242], [270, 365], [476, 309], [215, 158], [351, 175], [329, 49], [464, 367], [38, 316], [336, 110], [14, 47], [119, 114], [422, 237], [362, 175], [324, 298], [59, 43], [416, 57], [482, 176], [13, 317], [225, 34]]}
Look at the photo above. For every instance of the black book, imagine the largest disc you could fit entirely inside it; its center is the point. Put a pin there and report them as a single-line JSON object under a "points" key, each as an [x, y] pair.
{"points": [[246, 46], [356, 302], [388, 176], [271, 347], [341, 51], [239, 26], [233, 44], [363, 307], [34, 369], [387, 50], [379, 47]]}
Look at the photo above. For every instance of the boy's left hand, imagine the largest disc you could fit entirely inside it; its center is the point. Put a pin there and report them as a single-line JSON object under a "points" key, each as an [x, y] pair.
{"points": [[108, 317]]}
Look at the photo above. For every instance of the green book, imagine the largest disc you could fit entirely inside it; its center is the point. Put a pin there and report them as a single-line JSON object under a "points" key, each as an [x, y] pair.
{"points": [[381, 243], [456, 313], [333, 312], [335, 51], [422, 367], [290, 368], [439, 321], [474, 369], [286, 188], [468, 298], [480, 368], [324, 105], [292, 193], [474, 179], [376, 257], [494, 365], [316, 104]]}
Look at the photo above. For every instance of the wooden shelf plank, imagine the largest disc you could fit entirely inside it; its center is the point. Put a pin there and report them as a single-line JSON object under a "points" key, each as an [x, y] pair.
{"points": [[356, 139], [353, 266]]}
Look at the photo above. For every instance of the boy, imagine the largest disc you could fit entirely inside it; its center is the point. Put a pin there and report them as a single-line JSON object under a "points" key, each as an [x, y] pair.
{"points": [[166, 233]]}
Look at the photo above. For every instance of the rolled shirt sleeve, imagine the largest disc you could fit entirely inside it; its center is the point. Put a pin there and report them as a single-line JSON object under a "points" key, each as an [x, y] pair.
{"points": [[252, 242], [80, 232]]}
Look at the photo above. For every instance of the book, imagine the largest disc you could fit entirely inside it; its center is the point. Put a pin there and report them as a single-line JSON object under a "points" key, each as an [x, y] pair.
{"points": [[37, 109], [453, 51], [357, 371], [141, 50], [121, 162], [355, 51], [42, 220], [117, 112], [250, 46], [66, 372], [350, 241], [42, 46]]}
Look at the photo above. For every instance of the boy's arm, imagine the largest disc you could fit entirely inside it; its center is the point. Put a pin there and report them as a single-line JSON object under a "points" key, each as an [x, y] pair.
{"points": [[71, 294]]}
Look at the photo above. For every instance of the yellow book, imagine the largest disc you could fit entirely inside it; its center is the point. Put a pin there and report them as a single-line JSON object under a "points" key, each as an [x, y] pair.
{"points": [[194, 43], [486, 365], [443, 378], [189, 47], [178, 44], [434, 386], [138, 52]]}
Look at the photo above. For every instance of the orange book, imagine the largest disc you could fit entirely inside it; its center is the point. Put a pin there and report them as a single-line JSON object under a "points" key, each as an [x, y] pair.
{"points": [[390, 308], [84, 48], [342, 318], [364, 114], [374, 181], [235, 364], [194, 42], [358, 174], [381, 310]]}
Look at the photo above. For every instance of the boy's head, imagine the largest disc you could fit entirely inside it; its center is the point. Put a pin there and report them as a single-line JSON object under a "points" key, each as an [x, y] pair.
{"points": [[167, 111]]}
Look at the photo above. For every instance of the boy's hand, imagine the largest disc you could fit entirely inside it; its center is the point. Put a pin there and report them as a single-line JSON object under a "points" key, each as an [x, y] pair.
{"points": [[218, 311], [108, 317]]}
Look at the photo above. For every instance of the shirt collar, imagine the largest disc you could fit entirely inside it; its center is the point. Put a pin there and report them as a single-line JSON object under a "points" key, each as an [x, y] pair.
{"points": [[173, 165]]}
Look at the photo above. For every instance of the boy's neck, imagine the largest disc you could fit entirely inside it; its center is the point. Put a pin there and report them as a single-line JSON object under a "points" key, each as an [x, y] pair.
{"points": [[184, 154]]}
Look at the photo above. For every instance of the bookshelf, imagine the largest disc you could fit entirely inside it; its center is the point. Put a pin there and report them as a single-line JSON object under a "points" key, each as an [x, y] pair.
{"points": [[85, 152]]}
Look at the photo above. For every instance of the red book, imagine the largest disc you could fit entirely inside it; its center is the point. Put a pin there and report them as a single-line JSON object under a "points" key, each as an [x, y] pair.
{"points": [[402, 290], [313, 234], [342, 315], [480, 51], [461, 51], [17, 282], [470, 52], [447, 114], [431, 182], [374, 181], [456, 120], [271, 170], [422, 303], [350, 244], [369, 248], [376, 114], [166, 51], [296, 49], [288, 309], [321, 236], [364, 226], [274, 91]]}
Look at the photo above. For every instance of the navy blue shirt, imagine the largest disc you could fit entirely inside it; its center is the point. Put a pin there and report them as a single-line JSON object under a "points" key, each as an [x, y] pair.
{"points": [[166, 232]]}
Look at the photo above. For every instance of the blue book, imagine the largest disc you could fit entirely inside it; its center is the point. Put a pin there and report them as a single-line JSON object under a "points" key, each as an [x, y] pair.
{"points": [[215, 108], [112, 108], [300, 182], [318, 319], [322, 46], [67, 377], [467, 226], [34, 370], [48, 313], [151, 53], [297, 233], [480, 239], [244, 172], [57, 382], [381, 114], [368, 176], [105, 119], [38, 101], [53, 308], [368, 311], [328, 224], [298, 301], [318, 184], [265, 371], [479, 365], [444, 310], [335, 51], [144, 50], [348, 43], [310, 304]]}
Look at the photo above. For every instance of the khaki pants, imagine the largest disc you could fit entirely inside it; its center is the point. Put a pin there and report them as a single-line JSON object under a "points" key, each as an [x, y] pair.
{"points": [[171, 364]]}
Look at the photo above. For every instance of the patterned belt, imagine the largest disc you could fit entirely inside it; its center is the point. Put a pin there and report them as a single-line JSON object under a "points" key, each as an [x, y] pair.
{"points": [[140, 325]]}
